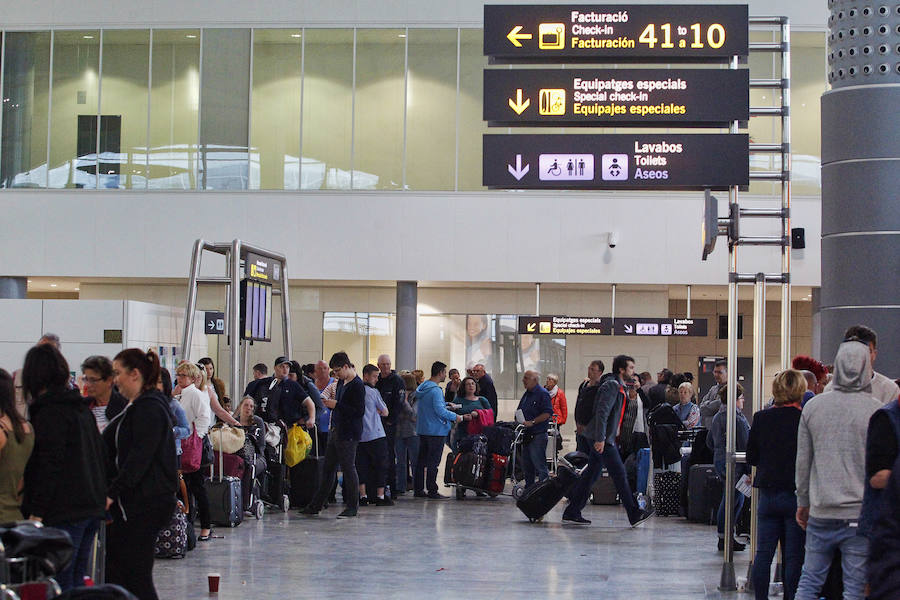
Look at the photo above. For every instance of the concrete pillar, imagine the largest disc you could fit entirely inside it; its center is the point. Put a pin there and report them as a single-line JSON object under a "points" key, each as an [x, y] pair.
{"points": [[860, 178], [13, 287], [407, 315]]}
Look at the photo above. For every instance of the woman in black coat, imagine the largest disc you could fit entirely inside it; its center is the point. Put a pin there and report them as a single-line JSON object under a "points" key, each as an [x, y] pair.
{"points": [[65, 480], [143, 480]]}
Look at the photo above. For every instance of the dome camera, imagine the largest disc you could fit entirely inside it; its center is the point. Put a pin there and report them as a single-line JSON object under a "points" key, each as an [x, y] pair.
{"points": [[613, 240]]}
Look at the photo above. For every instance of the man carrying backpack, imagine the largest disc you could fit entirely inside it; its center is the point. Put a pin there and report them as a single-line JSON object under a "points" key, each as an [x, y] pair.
{"points": [[600, 433]]}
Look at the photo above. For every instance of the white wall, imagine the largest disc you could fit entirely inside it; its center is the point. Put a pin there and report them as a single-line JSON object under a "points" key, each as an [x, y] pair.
{"points": [[488, 236], [809, 14]]}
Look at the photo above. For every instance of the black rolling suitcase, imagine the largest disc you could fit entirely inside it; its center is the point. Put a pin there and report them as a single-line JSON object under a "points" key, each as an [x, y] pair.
{"points": [[306, 476], [704, 493], [604, 491], [226, 505], [542, 497]]}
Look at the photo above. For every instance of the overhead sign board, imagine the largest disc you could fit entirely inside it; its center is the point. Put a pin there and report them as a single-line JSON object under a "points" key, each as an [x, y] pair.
{"points": [[261, 268], [559, 325], [649, 327], [621, 32], [616, 161], [256, 310], [660, 327], [614, 97], [213, 323]]}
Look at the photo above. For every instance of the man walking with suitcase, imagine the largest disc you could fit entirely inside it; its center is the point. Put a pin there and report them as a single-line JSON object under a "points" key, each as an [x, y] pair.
{"points": [[601, 432]]}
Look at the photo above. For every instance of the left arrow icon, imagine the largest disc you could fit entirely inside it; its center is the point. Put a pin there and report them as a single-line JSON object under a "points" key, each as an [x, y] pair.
{"points": [[519, 171], [518, 105], [514, 36]]}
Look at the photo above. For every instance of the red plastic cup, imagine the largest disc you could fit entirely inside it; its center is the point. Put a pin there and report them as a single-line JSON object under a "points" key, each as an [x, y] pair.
{"points": [[213, 582]]}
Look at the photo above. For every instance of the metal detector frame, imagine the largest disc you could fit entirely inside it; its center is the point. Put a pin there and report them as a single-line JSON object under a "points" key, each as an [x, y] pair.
{"points": [[235, 253]]}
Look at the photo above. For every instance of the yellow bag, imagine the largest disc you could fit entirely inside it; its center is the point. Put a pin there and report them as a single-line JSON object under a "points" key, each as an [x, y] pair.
{"points": [[297, 448]]}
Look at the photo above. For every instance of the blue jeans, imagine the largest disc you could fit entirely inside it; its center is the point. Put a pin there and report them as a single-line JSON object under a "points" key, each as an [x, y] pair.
{"points": [[534, 459], [738, 502], [612, 460], [406, 449], [82, 534], [777, 522], [823, 537]]}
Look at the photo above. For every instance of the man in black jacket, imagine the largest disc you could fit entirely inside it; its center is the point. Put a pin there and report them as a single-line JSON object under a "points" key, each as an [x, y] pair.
{"points": [[601, 433], [279, 397], [486, 387], [391, 387], [348, 408], [584, 405], [657, 393]]}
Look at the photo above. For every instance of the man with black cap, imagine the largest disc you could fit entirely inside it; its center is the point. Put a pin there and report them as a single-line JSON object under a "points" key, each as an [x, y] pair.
{"points": [[280, 397]]}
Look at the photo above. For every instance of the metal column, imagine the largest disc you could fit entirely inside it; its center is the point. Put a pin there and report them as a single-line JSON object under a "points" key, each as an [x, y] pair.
{"points": [[759, 363], [407, 315]]}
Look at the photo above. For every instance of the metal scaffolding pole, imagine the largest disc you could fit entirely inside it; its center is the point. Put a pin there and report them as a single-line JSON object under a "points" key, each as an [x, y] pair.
{"points": [[759, 363]]}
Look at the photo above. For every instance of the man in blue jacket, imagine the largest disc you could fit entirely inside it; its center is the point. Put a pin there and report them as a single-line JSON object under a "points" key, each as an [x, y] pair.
{"points": [[433, 425], [536, 409], [601, 432]]}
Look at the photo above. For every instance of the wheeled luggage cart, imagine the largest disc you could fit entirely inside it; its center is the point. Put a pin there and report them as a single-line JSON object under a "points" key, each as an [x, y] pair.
{"points": [[276, 484]]}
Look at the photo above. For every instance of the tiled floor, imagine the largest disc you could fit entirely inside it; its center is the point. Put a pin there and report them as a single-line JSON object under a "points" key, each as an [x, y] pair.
{"points": [[449, 549]]}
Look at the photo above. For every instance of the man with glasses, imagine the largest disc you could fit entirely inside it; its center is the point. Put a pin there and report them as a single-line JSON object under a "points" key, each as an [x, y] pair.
{"points": [[105, 401], [486, 386], [710, 403]]}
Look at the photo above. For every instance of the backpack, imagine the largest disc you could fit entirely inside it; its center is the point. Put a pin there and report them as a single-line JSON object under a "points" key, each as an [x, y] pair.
{"points": [[267, 396], [584, 406]]}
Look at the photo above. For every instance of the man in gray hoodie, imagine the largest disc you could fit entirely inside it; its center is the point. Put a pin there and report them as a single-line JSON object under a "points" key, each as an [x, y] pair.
{"points": [[831, 470]]}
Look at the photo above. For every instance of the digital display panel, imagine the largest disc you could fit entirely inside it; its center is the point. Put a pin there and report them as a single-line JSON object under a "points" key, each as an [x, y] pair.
{"points": [[616, 97], [256, 311], [584, 32], [616, 161]]}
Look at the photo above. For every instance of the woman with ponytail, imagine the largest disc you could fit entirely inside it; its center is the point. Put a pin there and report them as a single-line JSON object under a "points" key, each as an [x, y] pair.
{"points": [[142, 477], [65, 481]]}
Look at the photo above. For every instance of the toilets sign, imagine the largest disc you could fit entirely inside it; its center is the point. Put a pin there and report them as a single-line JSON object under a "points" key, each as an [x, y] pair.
{"points": [[616, 161]]}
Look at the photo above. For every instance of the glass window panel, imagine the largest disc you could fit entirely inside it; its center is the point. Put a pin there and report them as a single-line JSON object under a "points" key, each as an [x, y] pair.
{"points": [[26, 85], [443, 338], [431, 110], [225, 109], [807, 86], [378, 122], [123, 106], [327, 109], [76, 64], [382, 337], [471, 125], [174, 102], [275, 110], [342, 331]]}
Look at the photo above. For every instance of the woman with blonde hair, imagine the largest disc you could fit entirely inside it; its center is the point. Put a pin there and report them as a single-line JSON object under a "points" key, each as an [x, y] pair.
{"points": [[772, 449], [195, 403], [687, 409]]}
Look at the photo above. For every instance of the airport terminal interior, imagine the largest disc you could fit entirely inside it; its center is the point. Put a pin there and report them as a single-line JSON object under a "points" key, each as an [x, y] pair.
{"points": [[511, 191]]}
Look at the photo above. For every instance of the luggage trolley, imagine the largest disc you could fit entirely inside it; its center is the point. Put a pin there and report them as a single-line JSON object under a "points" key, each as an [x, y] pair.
{"points": [[485, 465], [31, 569]]}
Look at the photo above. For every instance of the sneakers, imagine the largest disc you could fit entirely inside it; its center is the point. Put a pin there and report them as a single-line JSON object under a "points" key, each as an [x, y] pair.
{"points": [[364, 501], [348, 513], [579, 520], [736, 546], [645, 514], [384, 502], [437, 496], [309, 510]]}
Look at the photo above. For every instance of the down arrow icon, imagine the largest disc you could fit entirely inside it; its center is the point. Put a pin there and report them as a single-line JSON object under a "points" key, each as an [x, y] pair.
{"points": [[519, 172]]}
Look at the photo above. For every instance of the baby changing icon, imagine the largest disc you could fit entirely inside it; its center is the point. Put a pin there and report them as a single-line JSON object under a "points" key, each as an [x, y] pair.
{"points": [[614, 167]]}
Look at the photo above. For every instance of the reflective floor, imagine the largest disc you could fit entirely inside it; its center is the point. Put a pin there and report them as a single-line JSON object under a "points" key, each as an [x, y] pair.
{"points": [[477, 548]]}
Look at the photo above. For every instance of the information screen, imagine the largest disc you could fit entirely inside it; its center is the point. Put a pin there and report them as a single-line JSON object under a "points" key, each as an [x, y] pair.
{"points": [[583, 32], [615, 97], [616, 161], [256, 311]]}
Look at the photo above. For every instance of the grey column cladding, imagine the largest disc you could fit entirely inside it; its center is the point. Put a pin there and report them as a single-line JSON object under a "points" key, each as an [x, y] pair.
{"points": [[13, 288], [861, 178], [407, 315]]}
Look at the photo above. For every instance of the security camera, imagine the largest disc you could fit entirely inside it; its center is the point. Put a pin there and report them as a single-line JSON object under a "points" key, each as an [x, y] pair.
{"points": [[613, 240]]}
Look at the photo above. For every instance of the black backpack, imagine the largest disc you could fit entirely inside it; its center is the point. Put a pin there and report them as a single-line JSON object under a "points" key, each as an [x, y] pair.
{"points": [[584, 406]]}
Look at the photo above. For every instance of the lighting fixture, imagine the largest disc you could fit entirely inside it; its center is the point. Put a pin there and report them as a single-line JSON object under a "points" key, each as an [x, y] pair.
{"points": [[52, 285], [88, 37], [295, 35], [401, 35], [191, 36]]}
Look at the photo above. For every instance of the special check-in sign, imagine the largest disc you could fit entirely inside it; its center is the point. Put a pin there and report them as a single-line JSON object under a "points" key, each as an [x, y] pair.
{"points": [[616, 161], [583, 32], [596, 97]]}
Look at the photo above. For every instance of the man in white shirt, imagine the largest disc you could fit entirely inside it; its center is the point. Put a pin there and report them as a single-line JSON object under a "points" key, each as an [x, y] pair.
{"points": [[883, 387]]}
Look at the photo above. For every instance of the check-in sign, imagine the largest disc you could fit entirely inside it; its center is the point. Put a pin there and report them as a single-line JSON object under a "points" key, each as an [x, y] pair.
{"points": [[616, 97]]}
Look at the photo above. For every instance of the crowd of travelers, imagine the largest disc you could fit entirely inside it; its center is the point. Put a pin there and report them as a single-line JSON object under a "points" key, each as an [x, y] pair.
{"points": [[824, 449]]}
